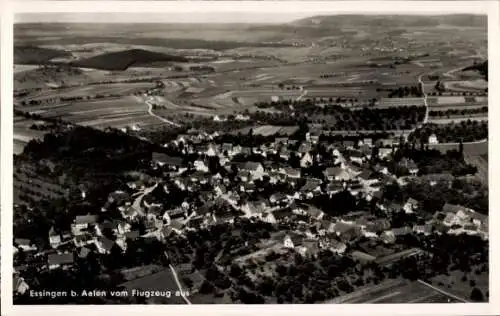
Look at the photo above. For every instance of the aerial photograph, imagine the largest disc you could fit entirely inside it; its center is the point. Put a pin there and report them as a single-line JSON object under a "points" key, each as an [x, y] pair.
{"points": [[250, 158]]}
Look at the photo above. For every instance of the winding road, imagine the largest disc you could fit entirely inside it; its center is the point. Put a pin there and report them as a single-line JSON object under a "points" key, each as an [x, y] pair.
{"points": [[150, 111]]}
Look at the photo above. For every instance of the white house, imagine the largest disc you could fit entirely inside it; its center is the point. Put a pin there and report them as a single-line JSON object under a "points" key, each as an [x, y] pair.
{"points": [[306, 160], [199, 165], [54, 238], [433, 139]]}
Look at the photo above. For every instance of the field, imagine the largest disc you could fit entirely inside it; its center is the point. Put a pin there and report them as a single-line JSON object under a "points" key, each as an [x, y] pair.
{"points": [[235, 66], [268, 130], [394, 292], [118, 113], [160, 281], [454, 284]]}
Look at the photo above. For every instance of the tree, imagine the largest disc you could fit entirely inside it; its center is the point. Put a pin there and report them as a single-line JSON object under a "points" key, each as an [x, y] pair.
{"points": [[476, 295]]}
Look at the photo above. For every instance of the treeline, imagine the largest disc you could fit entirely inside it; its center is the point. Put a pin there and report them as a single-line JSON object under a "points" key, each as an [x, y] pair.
{"points": [[401, 92], [451, 112]]}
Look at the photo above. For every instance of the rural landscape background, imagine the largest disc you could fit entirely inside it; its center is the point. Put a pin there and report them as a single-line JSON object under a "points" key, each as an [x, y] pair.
{"points": [[326, 159]]}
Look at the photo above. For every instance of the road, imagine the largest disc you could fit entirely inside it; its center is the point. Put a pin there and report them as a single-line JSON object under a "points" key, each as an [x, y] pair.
{"points": [[137, 202], [174, 273], [150, 111], [426, 117], [176, 277], [443, 292]]}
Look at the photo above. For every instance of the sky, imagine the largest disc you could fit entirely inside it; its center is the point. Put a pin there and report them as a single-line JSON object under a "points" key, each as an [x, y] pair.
{"points": [[248, 12]]}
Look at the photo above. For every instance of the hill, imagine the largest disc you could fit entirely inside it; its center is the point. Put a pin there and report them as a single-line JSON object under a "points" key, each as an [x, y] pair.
{"points": [[458, 20], [482, 68], [125, 59], [30, 55]]}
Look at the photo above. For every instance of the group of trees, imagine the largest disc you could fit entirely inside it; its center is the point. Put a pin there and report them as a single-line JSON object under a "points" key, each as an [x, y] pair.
{"points": [[461, 191], [458, 112], [464, 131], [402, 92]]}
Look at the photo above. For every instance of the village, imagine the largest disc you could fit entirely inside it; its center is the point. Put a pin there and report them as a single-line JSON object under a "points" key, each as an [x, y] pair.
{"points": [[311, 195]]}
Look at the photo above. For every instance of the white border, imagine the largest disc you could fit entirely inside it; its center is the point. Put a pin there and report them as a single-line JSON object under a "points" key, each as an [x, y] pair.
{"points": [[489, 7]]}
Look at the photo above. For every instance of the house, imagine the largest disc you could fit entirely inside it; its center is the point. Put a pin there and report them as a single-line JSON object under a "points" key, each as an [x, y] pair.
{"points": [[346, 231], [177, 226], [278, 198], [253, 167], [19, 285], [283, 214], [284, 153], [306, 160], [368, 177], [129, 213], [268, 217], [410, 165], [200, 165], [292, 240], [362, 256], [410, 206], [356, 156], [281, 141], [161, 159], [83, 222], [54, 238], [226, 149], [56, 260], [336, 173], [335, 186], [433, 139], [211, 150], [83, 252], [384, 152], [244, 175], [378, 226], [104, 245], [83, 240], [479, 219], [401, 231], [24, 244], [423, 229], [254, 209], [313, 211], [291, 172], [304, 147]]}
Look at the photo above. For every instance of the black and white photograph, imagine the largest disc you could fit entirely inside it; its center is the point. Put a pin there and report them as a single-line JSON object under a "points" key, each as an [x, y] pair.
{"points": [[314, 156]]}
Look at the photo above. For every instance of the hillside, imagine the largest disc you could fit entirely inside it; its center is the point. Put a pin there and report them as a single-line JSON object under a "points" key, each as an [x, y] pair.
{"points": [[458, 20], [36, 55], [125, 59]]}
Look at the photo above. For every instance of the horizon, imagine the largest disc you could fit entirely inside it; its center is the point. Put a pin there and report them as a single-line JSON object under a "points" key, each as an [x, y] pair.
{"points": [[236, 17]]}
